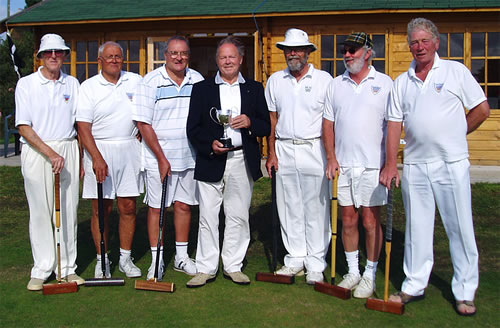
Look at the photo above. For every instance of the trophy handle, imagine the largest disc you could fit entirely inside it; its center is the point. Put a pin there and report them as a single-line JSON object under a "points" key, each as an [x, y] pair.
{"points": [[216, 121]]}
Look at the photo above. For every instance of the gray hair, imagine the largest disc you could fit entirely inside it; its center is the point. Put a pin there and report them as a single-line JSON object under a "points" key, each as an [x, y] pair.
{"points": [[109, 43], [176, 38], [234, 41], [424, 25], [372, 55]]}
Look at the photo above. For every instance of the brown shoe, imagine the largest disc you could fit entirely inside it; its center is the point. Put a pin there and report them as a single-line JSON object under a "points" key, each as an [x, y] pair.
{"points": [[402, 297]]}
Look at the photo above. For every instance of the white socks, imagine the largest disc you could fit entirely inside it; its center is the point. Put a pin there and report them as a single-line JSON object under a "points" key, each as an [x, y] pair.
{"points": [[181, 249], [99, 257], [370, 270], [353, 262], [124, 254], [153, 255]]}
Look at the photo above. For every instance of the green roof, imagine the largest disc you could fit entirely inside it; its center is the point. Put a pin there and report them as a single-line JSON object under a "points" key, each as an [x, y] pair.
{"points": [[82, 10]]}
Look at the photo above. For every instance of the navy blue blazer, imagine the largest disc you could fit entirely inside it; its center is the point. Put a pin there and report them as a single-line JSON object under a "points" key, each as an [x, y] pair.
{"points": [[202, 130]]}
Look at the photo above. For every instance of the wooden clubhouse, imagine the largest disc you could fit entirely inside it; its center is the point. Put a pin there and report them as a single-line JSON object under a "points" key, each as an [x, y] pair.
{"points": [[470, 33]]}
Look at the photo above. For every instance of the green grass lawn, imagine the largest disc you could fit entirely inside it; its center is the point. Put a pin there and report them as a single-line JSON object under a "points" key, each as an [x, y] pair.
{"points": [[222, 303]]}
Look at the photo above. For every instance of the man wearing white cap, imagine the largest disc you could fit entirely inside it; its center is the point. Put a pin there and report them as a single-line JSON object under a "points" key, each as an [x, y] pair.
{"points": [[354, 134], [112, 151], [296, 97], [45, 116]]}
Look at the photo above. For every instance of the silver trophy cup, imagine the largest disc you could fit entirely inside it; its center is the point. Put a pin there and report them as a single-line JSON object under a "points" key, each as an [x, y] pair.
{"points": [[222, 117]]}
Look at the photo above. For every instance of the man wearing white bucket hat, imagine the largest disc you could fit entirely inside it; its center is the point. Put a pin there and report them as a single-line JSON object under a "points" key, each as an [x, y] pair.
{"points": [[295, 97], [45, 116]]}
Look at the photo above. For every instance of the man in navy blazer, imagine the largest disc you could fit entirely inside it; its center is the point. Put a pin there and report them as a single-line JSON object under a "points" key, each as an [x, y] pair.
{"points": [[226, 175]]}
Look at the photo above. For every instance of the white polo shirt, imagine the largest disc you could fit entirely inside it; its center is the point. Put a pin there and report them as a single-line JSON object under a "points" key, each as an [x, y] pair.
{"points": [[299, 104], [49, 107], [433, 111], [359, 115], [109, 106], [230, 98], [165, 105]]}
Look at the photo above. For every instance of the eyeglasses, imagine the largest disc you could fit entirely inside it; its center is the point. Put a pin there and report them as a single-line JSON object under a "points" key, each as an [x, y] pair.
{"points": [[109, 59], [352, 51], [174, 54], [50, 53]]}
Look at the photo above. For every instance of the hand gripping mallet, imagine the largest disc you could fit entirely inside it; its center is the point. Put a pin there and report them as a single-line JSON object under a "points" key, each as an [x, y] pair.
{"points": [[274, 277], [60, 287], [385, 305], [103, 281], [154, 284], [324, 287]]}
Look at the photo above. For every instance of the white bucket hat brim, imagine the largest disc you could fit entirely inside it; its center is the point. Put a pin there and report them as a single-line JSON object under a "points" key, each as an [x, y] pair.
{"points": [[296, 38], [52, 42]]}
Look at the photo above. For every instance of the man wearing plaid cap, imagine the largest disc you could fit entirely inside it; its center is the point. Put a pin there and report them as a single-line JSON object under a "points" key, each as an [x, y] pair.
{"points": [[354, 135]]}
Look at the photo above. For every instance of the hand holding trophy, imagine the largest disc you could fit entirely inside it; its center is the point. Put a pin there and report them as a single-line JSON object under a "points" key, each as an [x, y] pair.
{"points": [[222, 117]]}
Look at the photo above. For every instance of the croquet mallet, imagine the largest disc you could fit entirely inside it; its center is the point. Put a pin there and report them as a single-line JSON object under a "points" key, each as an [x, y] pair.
{"points": [[324, 287], [267, 276], [385, 305], [94, 282], [155, 284], [59, 287]]}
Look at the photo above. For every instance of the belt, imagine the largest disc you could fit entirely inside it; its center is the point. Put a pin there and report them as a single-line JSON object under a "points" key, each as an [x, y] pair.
{"points": [[236, 148], [299, 141]]}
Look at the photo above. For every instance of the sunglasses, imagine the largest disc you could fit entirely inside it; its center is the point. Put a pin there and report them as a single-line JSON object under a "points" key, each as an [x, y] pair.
{"points": [[352, 51], [49, 53]]}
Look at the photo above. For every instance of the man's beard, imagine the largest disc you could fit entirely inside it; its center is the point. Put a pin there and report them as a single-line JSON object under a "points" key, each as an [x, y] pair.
{"points": [[297, 66], [356, 65]]}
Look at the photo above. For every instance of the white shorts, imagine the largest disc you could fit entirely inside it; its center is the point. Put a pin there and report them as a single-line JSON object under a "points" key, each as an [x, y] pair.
{"points": [[361, 186], [124, 164], [181, 186]]}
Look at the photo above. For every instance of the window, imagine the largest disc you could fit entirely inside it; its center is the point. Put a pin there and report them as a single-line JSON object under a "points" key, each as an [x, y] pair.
{"points": [[86, 59], [131, 55], [484, 61], [485, 64], [332, 59]]}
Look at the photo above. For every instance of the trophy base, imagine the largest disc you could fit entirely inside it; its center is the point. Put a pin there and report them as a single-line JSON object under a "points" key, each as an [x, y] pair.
{"points": [[226, 143]]}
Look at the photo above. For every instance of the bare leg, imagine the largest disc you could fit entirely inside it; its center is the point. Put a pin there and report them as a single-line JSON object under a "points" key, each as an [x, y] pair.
{"points": [[350, 233], [94, 226], [182, 221], [373, 229], [127, 208]]}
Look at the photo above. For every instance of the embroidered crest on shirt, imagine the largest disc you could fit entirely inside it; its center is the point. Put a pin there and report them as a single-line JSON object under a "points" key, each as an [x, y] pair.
{"points": [[375, 89], [438, 87], [66, 98], [130, 96], [308, 88]]}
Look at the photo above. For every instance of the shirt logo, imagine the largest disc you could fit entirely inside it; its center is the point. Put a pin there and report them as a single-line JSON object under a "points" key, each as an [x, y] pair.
{"points": [[308, 88], [375, 89], [438, 87], [66, 98], [130, 96]]}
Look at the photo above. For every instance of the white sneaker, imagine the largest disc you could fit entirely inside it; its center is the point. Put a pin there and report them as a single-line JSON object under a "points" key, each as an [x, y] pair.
{"points": [[151, 271], [129, 268], [350, 281], [185, 265], [365, 288], [98, 269], [290, 271], [313, 277], [35, 284]]}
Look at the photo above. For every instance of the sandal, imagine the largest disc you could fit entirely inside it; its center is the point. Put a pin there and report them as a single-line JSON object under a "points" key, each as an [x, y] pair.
{"points": [[462, 306], [405, 298]]}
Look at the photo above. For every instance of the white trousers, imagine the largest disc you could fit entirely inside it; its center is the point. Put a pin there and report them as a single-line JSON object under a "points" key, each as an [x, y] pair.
{"points": [[303, 203], [39, 188], [448, 186], [235, 191]]}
